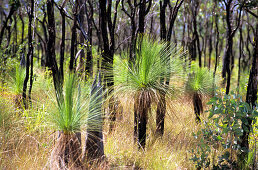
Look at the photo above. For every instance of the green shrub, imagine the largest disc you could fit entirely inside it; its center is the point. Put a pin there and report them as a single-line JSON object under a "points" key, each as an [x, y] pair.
{"points": [[222, 131]]}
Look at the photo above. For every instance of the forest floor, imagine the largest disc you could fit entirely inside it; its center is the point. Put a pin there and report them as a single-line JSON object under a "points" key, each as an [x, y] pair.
{"points": [[27, 141]]}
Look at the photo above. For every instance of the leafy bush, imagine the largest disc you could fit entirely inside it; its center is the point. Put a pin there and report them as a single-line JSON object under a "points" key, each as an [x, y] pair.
{"points": [[222, 132]]}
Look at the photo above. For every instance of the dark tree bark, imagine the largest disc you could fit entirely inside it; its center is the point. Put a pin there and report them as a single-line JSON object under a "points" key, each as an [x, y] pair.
{"points": [[142, 105], [108, 49], [51, 57], [89, 62], [94, 139], [216, 47], [251, 97], [143, 11], [196, 40], [227, 59], [132, 16], [240, 55], [74, 38], [198, 107], [15, 5], [165, 36], [29, 58]]}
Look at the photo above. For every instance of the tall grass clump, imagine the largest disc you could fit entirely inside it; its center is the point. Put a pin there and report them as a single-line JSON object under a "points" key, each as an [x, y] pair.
{"points": [[141, 80], [199, 83], [17, 84]]}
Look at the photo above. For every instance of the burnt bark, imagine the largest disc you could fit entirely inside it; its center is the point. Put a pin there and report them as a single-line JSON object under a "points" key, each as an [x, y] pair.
{"points": [[107, 23], [89, 62], [198, 107], [166, 37], [228, 56], [251, 97], [29, 58], [143, 105], [74, 39], [15, 5], [132, 16], [51, 57]]}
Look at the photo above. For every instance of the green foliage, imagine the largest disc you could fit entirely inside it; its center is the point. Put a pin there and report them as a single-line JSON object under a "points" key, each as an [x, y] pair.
{"points": [[18, 79], [154, 60], [199, 81], [68, 116], [223, 131], [72, 108]]}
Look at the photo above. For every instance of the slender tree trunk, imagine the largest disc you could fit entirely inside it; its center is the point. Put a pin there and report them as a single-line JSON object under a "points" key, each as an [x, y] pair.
{"points": [[73, 41], [12, 10], [143, 106], [240, 56], [62, 47], [89, 62], [29, 56], [251, 97], [165, 36]]}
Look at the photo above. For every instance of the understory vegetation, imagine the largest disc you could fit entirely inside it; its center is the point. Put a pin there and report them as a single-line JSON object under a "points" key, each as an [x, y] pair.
{"points": [[28, 137], [128, 84]]}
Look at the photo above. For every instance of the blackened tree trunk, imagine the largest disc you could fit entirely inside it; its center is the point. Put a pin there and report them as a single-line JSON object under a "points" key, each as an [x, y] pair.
{"points": [[198, 107], [94, 139], [15, 5], [196, 40], [132, 16], [74, 38], [62, 47], [89, 62], [29, 56], [31, 48], [142, 106], [51, 57], [251, 97], [227, 59], [165, 36], [109, 48]]}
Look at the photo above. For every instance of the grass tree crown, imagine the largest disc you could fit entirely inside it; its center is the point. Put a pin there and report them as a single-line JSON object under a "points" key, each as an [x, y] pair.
{"points": [[154, 60], [73, 106]]}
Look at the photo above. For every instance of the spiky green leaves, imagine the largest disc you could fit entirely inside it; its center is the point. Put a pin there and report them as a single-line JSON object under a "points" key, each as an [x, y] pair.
{"points": [[200, 80], [72, 108], [18, 79], [154, 60]]}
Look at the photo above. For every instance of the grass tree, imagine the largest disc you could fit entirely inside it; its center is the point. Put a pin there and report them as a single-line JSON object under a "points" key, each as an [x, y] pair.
{"points": [[70, 117], [94, 139], [17, 87], [141, 80], [198, 84]]}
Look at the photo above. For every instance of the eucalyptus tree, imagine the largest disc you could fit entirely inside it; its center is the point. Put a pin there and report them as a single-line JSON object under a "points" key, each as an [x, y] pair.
{"points": [[108, 37], [251, 96], [141, 81], [29, 58], [228, 58], [15, 4]]}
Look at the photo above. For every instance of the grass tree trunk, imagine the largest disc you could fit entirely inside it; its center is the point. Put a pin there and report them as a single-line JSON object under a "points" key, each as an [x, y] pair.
{"points": [[198, 107], [94, 140], [67, 153], [160, 118], [143, 107]]}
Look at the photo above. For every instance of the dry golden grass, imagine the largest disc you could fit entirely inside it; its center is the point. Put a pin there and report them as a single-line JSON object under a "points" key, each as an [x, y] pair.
{"points": [[29, 147], [27, 143]]}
